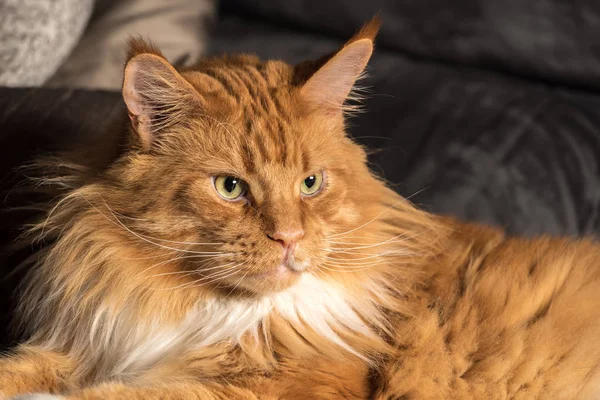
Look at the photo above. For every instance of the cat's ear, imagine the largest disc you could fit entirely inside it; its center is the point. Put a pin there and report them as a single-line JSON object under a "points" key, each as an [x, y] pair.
{"points": [[156, 95], [331, 85]]}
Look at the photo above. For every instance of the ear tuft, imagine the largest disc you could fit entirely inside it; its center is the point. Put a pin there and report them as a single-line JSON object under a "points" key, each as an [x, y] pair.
{"points": [[368, 31], [136, 45]]}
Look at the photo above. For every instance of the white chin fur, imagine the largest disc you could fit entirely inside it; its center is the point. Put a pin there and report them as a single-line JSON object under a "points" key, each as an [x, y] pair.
{"points": [[36, 396]]}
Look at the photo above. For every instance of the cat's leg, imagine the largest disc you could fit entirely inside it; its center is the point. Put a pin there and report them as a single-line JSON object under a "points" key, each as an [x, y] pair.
{"points": [[257, 388], [180, 391], [30, 369]]}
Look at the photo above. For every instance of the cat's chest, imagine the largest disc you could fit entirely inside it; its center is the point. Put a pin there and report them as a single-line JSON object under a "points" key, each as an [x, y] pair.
{"points": [[204, 326], [311, 303]]}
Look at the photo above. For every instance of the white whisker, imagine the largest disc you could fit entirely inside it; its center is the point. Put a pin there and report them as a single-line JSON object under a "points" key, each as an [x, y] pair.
{"points": [[193, 256], [343, 270], [369, 222], [354, 265], [215, 277], [390, 240], [368, 256], [119, 223]]}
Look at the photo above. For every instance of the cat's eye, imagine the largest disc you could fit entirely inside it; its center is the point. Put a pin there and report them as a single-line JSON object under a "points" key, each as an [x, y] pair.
{"points": [[230, 187], [311, 184]]}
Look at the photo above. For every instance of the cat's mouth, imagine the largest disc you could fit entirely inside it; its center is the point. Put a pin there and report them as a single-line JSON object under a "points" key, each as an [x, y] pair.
{"points": [[289, 266], [278, 277], [291, 262], [279, 272]]}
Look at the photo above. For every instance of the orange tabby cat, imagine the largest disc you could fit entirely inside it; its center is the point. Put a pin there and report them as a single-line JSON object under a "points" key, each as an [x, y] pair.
{"points": [[241, 249]]}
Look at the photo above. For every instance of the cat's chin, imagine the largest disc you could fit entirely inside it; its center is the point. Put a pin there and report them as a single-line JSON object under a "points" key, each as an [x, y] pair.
{"points": [[274, 280]]}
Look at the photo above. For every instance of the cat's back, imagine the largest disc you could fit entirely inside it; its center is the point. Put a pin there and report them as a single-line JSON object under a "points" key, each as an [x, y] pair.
{"points": [[538, 302], [511, 318]]}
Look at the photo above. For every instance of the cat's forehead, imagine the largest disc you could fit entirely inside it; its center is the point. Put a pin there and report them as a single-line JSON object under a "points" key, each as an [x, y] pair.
{"points": [[239, 74], [266, 145], [255, 123], [251, 106], [273, 150]]}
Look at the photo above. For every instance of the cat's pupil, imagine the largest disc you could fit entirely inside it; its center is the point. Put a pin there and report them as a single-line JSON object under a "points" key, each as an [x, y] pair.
{"points": [[310, 181], [230, 183]]}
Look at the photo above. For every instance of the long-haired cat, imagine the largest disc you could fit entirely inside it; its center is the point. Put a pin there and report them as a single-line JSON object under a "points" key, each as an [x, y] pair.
{"points": [[240, 248]]}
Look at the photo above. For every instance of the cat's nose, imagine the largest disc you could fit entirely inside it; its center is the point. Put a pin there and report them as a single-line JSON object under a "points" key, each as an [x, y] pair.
{"points": [[287, 239]]}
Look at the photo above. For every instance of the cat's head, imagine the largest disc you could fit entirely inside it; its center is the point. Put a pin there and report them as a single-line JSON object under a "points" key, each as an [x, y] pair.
{"points": [[244, 164]]}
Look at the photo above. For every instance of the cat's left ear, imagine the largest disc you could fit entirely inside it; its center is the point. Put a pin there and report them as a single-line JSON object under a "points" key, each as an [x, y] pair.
{"points": [[330, 86], [156, 95]]}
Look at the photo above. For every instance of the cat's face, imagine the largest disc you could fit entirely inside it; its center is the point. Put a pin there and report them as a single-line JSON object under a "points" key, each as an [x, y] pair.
{"points": [[245, 169]]}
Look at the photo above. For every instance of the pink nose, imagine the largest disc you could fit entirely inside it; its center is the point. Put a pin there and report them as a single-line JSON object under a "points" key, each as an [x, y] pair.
{"points": [[287, 239]]}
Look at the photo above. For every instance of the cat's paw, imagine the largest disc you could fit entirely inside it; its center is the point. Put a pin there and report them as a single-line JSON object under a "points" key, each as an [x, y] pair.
{"points": [[37, 396]]}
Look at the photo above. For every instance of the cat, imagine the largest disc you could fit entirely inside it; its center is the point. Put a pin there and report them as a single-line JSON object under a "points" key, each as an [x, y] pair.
{"points": [[240, 248]]}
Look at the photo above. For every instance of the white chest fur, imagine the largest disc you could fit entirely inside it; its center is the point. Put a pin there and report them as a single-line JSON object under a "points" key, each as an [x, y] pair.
{"points": [[324, 306]]}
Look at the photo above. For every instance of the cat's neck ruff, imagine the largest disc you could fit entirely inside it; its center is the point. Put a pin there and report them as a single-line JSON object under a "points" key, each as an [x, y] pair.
{"points": [[321, 305]]}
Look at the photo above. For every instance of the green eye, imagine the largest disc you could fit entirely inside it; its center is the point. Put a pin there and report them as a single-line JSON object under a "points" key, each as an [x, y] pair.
{"points": [[311, 184], [229, 187]]}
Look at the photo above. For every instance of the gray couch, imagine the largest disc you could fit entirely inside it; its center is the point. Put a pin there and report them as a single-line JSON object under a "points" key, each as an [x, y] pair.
{"points": [[80, 43]]}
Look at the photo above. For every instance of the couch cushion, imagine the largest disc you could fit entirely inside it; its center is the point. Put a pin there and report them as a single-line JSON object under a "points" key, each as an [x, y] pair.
{"points": [[37, 36], [177, 27], [551, 40]]}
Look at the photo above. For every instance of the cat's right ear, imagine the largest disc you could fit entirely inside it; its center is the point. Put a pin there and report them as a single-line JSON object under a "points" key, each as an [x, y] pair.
{"points": [[156, 95]]}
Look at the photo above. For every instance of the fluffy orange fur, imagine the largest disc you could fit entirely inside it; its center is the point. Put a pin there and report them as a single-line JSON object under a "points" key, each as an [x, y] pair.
{"points": [[154, 286]]}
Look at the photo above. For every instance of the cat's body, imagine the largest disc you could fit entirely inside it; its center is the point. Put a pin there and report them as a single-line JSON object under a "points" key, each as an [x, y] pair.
{"points": [[241, 249]]}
